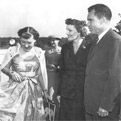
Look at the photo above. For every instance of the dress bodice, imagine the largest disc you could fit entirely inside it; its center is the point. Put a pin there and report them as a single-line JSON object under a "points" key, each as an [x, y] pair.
{"points": [[26, 65]]}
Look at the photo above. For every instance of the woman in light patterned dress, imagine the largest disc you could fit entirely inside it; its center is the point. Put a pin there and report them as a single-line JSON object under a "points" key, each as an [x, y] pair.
{"points": [[21, 97]]}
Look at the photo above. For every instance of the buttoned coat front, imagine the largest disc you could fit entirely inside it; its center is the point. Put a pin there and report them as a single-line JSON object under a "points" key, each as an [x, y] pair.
{"points": [[72, 75]]}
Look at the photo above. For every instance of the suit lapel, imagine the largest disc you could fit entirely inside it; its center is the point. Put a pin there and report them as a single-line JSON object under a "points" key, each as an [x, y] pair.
{"points": [[72, 55], [79, 53], [95, 48], [70, 52]]}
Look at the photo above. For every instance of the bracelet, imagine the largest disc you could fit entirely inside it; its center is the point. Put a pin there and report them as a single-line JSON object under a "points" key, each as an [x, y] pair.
{"points": [[11, 72]]}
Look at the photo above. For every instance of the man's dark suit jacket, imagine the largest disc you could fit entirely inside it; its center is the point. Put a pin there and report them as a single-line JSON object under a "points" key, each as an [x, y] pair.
{"points": [[103, 74], [72, 75]]}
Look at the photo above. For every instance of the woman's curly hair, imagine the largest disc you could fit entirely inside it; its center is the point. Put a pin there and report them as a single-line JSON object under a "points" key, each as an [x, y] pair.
{"points": [[77, 23]]}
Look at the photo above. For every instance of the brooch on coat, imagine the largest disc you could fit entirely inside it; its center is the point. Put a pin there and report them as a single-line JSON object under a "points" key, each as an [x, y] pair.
{"points": [[83, 46]]}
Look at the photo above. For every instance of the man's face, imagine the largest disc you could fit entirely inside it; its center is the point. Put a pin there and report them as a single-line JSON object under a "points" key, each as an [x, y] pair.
{"points": [[94, 23], [71, 32]]}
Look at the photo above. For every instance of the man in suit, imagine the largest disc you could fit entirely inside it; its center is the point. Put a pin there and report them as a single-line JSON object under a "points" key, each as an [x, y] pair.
{"points": [[103, 72], [72, 72]]}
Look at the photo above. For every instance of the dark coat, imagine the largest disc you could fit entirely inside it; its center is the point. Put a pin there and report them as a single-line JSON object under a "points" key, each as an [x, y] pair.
{"points": [[103, 74], [72, 74]]}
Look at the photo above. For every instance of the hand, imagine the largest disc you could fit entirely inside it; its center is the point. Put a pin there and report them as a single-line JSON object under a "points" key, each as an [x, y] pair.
{"points": [[15, 76], [101, 112], [46, 95], [58, 98]]}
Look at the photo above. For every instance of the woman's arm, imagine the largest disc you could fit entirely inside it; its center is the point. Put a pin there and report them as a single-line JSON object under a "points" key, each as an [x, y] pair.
{"points": [[42, 85], [10, 73], [6, 70]]}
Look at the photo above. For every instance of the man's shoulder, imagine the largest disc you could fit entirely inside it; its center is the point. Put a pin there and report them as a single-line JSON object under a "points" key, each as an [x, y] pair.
{"points": [[114, 34]]}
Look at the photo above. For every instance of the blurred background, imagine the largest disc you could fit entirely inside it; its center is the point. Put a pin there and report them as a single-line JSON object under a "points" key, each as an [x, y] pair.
{"points": [[47, 17]]}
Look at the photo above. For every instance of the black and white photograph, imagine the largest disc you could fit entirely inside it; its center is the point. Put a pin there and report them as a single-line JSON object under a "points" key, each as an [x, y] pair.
{"points": [[60, 60]]}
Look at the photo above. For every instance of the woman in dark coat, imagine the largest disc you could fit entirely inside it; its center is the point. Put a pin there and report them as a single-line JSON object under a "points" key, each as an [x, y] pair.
{"points": [[72, 75]]}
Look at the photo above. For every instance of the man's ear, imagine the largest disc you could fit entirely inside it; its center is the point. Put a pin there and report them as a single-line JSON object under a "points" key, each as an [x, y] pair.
{"points": [[103, 20]]}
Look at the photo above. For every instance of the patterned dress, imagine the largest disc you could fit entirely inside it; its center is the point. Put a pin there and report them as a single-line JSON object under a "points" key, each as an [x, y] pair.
{"points": [[22, 101]]}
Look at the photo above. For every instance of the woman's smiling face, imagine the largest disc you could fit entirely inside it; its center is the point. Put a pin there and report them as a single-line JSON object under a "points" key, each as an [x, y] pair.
{"points": [[27, 44], [72, 33]]}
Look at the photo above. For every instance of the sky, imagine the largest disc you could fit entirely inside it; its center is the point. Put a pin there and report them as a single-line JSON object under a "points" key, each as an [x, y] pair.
{"points": [[47, 16]]}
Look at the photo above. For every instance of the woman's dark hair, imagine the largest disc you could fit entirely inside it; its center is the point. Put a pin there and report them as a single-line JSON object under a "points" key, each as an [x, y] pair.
{"points": [[27, 32], [101, 10], [77, 23]]}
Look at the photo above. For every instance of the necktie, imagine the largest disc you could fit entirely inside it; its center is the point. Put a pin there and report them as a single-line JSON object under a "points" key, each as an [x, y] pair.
{"points": [[96, 40], [92, 49]]}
